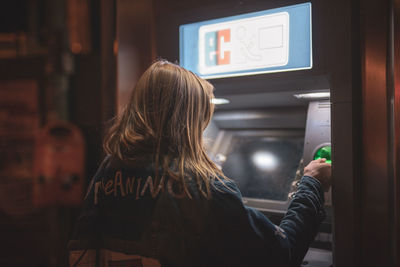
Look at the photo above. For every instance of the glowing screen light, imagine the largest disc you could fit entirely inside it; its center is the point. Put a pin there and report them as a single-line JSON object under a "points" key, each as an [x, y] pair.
{"points": [[318, 95], [266, 41], [219, 101], [265, 161]]}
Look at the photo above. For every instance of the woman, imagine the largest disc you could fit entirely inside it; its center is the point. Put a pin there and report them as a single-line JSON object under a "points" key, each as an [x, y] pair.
{"points": [[158, 200]]}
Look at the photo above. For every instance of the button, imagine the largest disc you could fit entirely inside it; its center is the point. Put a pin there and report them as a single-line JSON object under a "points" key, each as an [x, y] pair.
{"points": [[324, 152]]}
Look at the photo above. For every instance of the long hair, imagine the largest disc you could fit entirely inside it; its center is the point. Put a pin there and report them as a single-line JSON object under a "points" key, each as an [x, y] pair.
{"points": [[164, 121]]}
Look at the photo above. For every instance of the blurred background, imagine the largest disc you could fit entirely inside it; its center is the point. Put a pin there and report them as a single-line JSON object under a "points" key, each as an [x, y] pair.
{"points": [[67, 67], [57, 91]]}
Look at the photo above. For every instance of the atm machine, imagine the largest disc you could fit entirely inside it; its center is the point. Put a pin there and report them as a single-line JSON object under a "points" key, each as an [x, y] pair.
{"points": [[267, 125], [265, 152]]}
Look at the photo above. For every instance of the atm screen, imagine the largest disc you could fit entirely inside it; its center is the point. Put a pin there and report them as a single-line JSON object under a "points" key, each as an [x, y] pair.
{"points": [[264, 167]]}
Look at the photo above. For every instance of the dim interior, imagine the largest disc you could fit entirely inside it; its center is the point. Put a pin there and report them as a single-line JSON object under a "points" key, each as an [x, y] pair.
{"points": [[77, 61], [259, 141], [271, 119], [263, 141]]}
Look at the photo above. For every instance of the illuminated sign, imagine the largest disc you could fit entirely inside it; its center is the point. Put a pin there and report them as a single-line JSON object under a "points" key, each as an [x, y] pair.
{"points": [[260, 42]]}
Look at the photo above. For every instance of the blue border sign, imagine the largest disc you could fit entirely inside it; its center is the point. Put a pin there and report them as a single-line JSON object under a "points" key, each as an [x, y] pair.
{"points": [[274, 40]]}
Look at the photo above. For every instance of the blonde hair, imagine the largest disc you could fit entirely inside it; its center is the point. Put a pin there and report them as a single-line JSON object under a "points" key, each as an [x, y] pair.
{"points": [[165, 118]]}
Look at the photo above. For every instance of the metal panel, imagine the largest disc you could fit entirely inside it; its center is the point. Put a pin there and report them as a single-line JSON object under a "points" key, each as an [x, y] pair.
{"points": [[288, 118], [375, 192], [318, 128], [343, 64], [395, 98]]}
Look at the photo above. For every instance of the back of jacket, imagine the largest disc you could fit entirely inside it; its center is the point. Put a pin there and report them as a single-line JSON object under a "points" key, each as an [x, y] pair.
{"points": [[130, 218]]}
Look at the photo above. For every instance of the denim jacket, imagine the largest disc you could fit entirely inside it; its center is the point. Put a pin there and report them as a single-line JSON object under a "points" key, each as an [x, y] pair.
{"points": [[130, 219]]}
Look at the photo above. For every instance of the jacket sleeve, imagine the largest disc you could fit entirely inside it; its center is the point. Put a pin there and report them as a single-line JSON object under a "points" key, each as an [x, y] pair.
{"points": [[286, 244], [303, 218]]}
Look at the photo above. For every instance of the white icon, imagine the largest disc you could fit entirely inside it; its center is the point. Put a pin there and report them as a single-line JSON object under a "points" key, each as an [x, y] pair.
{"points": [[256, 43], [247, 45]]}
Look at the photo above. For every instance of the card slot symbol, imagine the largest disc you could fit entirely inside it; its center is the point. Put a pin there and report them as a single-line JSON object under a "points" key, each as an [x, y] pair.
{"points": [[224, 55], [216, 50]]}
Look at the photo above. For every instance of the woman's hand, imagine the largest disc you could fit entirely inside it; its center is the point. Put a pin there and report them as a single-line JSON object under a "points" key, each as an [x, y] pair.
{"points": [[321, 171]]}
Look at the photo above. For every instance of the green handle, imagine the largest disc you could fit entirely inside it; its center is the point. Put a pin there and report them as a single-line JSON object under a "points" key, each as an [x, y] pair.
{"points": [[324, 152]]}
